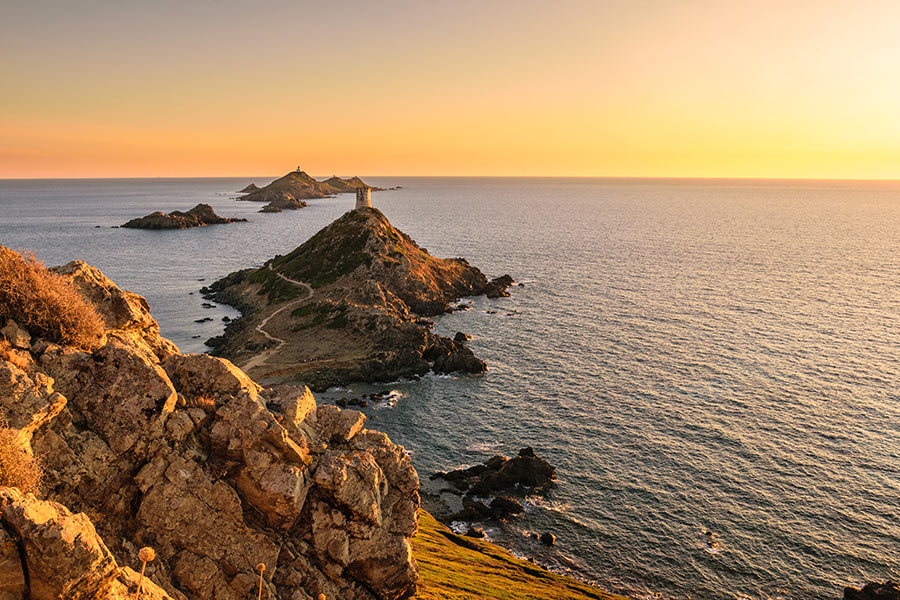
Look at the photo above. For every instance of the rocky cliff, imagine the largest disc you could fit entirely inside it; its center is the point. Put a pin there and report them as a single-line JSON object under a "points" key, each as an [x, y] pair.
{"points": [[144, 446], [350, 304], [199, 216]]}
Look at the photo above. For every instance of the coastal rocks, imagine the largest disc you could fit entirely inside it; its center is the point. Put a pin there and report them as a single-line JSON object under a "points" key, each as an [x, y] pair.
{"points": [[187, 454], [359, 293], [548, 539], [250, 188], [199, 216], [527, 471], [888, 590], [496, 288]]}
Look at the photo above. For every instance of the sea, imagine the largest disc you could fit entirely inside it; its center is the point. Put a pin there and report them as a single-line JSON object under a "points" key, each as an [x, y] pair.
{"points": [[711, 365]]}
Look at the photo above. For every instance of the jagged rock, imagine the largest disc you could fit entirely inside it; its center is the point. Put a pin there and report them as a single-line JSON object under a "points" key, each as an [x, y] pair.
{"points": [[888, 590], [250, 188], [496, 288], [12, 577], [503, 507], [199, 216], [461, 337], [125, 313], [16, 336], [194, 375], [548, 539], [500, 473], [64, 556]]}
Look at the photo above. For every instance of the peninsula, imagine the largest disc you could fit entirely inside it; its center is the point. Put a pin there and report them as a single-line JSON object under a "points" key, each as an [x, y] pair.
{"points": [[199, 216], [350, 304]]}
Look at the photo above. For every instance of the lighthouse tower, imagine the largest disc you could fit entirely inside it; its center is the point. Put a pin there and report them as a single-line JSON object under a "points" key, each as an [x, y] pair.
{"points": [[363, 197]]}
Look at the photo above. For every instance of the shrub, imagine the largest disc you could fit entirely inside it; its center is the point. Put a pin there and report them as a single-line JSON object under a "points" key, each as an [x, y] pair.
{"points": [[18, 468], [46, 304]]}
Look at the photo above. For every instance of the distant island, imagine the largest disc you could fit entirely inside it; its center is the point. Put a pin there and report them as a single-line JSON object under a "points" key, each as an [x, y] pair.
{"points": [[290, 191], [350, 304], [199, 216]]}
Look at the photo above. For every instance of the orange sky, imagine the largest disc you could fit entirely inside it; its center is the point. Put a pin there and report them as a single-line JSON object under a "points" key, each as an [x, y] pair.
{"points": [[122, 88]]}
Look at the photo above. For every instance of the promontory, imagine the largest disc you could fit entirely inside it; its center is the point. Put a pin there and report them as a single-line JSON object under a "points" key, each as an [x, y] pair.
{"points": [[350, 304]]}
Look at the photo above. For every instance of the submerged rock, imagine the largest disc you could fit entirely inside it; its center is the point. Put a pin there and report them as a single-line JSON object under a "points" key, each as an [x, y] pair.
{"points": [[199, 216]]}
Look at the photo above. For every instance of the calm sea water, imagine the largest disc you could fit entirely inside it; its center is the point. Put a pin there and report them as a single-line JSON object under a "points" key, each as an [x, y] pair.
{"points": [[692, 355]]}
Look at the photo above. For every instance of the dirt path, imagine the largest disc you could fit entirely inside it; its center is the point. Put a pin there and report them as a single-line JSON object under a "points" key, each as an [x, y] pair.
{"points": [[279, 343]]}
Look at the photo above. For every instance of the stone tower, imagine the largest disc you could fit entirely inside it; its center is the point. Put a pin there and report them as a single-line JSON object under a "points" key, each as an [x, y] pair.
{"points": [[363, 197]]}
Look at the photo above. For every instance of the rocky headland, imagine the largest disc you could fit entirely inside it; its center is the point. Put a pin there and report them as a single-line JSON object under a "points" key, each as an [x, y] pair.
{"points": [[199, 216], [350, 304], [176, 476], [290, 191]]}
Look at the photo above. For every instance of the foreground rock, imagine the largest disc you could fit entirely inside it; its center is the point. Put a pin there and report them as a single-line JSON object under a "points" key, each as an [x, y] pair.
{"points": [[62, 554], [888, 590], [186, 454], [350, 304], [199, 216]]}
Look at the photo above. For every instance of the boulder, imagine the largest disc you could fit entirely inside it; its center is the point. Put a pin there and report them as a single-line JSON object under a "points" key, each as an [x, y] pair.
{"points": [[503, 507], [548, 539]]}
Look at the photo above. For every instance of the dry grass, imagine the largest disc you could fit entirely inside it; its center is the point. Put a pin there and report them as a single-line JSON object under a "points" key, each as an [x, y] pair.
{"points": [[44, 303], [207, 403], [18, 468]]}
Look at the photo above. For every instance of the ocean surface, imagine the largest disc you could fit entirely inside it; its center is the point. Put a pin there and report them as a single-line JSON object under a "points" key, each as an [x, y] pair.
{"points": [[694, 356]]}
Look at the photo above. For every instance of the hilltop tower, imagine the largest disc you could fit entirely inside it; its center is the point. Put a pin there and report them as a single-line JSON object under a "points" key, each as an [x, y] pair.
{"points": [[363, 197]]}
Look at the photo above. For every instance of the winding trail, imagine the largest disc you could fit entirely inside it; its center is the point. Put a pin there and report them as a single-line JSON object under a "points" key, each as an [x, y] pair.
{"points": [[262, 357]]}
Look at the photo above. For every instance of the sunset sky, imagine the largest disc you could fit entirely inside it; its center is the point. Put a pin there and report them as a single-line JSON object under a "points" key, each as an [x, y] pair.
{"points": [[128, 88]]}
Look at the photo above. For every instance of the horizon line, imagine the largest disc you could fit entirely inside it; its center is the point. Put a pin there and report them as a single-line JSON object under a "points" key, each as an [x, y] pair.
{"points": [[608, 177]]}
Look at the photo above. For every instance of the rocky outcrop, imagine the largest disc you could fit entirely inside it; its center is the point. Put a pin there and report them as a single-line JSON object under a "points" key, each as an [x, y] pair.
{"points": [[350, 304], [250, 188], [346, 186], [290, 191], [62, 555], [199, 216], [525, 473], [888, 590], [186, 454]]}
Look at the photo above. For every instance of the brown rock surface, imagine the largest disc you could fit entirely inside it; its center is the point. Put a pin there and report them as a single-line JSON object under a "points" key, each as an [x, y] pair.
{"points": [[187, 454]]}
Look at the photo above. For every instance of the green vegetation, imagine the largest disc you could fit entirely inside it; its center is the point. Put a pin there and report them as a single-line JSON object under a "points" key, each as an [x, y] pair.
{"points": [[332, 253], [453, 567], [46, 304], [322, 313], [277, 289]]}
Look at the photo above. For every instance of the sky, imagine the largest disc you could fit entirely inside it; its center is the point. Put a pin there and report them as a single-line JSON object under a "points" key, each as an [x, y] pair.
{"points": [[638, 88]]}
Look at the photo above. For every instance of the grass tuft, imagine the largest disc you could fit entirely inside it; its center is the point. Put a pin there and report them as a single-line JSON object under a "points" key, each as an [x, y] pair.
{"points": [[46, 304]]}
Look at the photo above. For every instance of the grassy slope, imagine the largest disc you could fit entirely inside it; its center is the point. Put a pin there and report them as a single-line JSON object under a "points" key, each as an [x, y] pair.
{"points": [[453, 567]]}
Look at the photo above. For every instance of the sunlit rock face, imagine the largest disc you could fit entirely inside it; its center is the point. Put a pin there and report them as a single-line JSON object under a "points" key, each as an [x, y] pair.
{"points": [[186, 454]]}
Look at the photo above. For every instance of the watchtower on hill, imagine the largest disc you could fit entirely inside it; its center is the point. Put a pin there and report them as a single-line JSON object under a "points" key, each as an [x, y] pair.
{"points": [[363, 197]]}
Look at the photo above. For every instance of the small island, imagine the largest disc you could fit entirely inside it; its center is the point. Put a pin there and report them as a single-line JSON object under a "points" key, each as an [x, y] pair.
{"points": [[199, 216], [350, 304], [290, 191]]}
